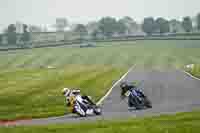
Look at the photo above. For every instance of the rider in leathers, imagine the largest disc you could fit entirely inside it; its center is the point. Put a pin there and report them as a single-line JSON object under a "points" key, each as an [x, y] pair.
{"points": [[74, 94], [125, 87]]}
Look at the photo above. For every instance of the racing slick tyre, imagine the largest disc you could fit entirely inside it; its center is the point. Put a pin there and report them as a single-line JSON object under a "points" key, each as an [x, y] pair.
{"points": [[97, 110], [147, 103], [79, 111]]}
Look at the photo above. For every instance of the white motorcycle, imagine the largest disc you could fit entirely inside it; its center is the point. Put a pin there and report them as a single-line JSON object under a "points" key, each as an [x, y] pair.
{"points": [[86, 108]]}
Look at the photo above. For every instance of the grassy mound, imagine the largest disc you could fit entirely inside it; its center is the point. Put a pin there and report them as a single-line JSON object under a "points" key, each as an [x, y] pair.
{"points": [[195, 70], [179, 123], [35, 93], [146, 54]]}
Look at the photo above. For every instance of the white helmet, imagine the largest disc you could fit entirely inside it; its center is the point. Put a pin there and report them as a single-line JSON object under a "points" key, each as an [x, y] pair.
{"points": [[66, 91]]}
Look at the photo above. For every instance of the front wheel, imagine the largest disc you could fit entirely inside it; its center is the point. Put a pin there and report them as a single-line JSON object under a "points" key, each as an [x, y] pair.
{"points": [[79, 111], [147, 103], [97, 110]]}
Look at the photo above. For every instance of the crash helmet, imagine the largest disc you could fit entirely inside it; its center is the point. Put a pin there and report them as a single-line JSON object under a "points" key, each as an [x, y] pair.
{"points": [[123, 85], [124, 89], [66, 91], [76, 91]]}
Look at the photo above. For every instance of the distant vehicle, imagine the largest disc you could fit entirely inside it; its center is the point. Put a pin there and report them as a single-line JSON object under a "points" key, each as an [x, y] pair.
{"points": [[87, 44]]}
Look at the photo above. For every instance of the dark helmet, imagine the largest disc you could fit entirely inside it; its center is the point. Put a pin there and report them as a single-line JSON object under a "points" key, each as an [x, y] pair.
{"points": [[123, 85], [124, 88]]}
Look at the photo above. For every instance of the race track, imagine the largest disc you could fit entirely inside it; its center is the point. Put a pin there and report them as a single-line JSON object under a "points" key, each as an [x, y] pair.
{"points": [[170, 91]]}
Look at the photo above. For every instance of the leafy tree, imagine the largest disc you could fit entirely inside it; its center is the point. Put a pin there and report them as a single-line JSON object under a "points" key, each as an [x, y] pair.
{"points": [[198, 21], [92, 26], [121, 27], [131, 25], [81, 30], [127, 19], [0, 39], [26, 34], [148, 25], [108, 26], [25, 28], [95, 33], [34, 28], [11, 33], [187, 24], [61, 24], [174, 25], [162, 25]]}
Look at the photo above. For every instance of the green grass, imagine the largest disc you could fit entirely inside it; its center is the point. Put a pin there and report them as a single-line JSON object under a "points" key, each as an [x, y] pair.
{"points": [[28, 89], [146, 54], [195, 71], [179, 123], [36, 93]]}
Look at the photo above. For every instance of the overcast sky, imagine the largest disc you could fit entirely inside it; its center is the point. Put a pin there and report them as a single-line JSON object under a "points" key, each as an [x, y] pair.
{"points": [[46, 11]]}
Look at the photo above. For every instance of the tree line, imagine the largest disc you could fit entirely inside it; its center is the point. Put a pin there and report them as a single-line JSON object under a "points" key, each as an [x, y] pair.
{"points": [[110, 26], [11, 34]]}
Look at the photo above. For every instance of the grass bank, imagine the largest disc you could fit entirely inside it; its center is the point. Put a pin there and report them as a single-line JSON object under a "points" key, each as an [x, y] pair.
{"points": [[195, 71], [146, 54], [29, 89], [179, 123], [33, 93]]}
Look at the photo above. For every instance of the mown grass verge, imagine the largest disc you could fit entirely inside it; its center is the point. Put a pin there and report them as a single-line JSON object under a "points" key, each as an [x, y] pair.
{"points": [[28, 89], [33, 93], [195, 70], [146, 54], [179, 123]]}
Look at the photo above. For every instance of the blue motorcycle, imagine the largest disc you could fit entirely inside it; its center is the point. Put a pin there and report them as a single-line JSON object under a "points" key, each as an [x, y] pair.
{"points": [[136, 97]]}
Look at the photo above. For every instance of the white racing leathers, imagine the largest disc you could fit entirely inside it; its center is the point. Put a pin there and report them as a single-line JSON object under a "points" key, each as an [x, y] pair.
{"points": [[81, 107]]}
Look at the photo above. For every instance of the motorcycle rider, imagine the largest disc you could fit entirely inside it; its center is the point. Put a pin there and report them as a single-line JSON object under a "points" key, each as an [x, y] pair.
{"points": [[74, 94], [125, 87]]}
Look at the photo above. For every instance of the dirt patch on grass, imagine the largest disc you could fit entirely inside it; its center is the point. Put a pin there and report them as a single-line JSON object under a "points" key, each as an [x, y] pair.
{"points": [[12, 122]]}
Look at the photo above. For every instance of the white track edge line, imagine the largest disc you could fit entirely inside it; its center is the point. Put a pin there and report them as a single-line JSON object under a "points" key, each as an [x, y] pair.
{"points": [[187, 73], [110, 90]]}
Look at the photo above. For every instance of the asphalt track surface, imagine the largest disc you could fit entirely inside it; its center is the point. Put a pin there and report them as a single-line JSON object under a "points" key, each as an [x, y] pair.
{"points": [[170, 91]]}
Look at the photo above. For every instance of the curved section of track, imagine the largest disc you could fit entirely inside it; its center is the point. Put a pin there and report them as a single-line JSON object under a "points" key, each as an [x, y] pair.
{"points": [[170, 92]]}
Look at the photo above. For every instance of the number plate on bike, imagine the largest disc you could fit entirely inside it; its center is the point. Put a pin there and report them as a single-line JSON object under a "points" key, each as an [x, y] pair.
{"points": [[127, 93]]}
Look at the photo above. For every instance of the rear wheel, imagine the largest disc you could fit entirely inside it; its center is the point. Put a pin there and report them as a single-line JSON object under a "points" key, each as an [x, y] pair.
{"points": [[133, 102], [97, 110], [147, 103]]}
